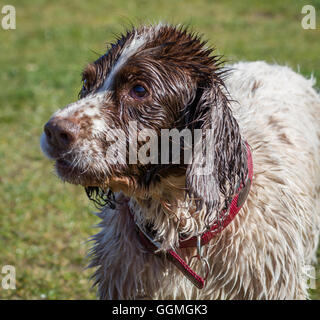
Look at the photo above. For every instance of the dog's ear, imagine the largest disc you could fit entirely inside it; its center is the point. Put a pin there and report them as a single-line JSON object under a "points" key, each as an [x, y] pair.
{"points": [[219, 161]]}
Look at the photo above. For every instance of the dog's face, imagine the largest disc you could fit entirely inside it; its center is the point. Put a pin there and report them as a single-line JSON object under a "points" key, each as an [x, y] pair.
{"points": [[156, 77]]}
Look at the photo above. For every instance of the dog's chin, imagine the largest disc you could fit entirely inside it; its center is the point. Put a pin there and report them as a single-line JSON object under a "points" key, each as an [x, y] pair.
{"points": [[70, 173]]}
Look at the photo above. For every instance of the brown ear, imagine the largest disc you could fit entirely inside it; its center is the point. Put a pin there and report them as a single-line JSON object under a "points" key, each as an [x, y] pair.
{"points": [[220, 163]]}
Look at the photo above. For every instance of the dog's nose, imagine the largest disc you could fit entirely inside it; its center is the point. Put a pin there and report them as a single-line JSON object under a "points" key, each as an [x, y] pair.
{"points": [[61, 133]]}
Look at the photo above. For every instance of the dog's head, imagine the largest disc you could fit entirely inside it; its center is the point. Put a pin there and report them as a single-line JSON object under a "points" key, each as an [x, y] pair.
{"points": [[152, 78]]}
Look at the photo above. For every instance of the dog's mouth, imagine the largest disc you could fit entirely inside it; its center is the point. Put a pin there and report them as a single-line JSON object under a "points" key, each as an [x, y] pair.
{"points": [[71, 172], [62, 163], [67, 170], [64, 167]]}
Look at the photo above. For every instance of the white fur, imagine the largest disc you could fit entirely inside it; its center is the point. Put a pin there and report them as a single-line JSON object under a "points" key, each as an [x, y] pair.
{"points": [[136, 43]]}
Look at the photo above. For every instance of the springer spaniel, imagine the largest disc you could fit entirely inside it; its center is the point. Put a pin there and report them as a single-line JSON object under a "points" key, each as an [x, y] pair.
{"points": [[208, 177]]}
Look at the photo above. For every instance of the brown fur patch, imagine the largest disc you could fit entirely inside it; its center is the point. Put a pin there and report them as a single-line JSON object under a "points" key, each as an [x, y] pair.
{"points": [[255, 86], [274, 122], [283, 137]]}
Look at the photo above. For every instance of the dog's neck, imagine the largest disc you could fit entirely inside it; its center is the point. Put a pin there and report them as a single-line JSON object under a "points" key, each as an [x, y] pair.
{"points": [[164, 208], [167, 211]]}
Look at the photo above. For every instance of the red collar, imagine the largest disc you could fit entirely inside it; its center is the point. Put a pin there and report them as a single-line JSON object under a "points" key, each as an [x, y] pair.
{"points": [[236, 204]]}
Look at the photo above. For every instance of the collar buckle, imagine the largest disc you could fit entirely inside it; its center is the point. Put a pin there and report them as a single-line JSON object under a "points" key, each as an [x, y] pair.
{"points": [[201, 258]]}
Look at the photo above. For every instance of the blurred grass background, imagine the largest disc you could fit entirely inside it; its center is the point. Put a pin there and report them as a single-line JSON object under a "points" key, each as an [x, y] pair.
{"points": [[44, 224]]}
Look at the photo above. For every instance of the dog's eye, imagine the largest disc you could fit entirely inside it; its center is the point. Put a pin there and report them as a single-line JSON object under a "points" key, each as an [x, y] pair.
{"points": [[85, 85], [138, 91]]}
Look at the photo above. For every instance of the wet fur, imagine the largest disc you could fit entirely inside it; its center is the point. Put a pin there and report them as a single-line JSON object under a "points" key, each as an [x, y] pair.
{"points": [[263, 253]]}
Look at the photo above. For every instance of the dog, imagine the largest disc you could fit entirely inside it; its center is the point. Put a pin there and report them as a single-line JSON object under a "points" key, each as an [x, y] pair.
{"points": [[227, 207]]}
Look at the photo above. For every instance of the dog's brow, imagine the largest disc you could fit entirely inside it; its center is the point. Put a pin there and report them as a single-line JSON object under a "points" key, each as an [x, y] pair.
{"points": [[136, 43]]}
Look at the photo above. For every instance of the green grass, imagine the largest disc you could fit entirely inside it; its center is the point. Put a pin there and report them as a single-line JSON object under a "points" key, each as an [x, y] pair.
{"points": [[43, 223]]}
